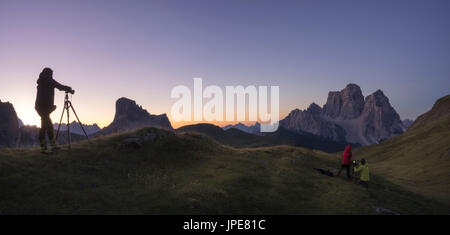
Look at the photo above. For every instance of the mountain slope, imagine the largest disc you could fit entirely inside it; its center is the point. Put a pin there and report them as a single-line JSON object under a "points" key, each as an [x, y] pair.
{"points": [[440, 110], [168, 173], [419, 159]]}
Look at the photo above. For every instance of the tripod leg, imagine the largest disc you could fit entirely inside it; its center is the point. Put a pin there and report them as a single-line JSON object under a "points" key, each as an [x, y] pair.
{"points": [[59, 126], [68, 123], [79, 122]]}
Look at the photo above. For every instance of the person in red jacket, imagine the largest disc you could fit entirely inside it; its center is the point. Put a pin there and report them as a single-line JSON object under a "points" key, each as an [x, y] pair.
{"points": [[346, 161]]}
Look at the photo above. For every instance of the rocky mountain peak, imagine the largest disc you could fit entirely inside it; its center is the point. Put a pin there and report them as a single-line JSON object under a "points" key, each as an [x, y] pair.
{"points": [[345, 104], [131, 116], [9, 125], [314, 109], [347, 116], [379, 100], [379, 119], [294, 112], [352, 102], [128, 109], [333, 106]]}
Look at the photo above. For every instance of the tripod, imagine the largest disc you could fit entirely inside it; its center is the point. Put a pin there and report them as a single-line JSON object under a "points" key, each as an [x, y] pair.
{"points": [[67, 105]]}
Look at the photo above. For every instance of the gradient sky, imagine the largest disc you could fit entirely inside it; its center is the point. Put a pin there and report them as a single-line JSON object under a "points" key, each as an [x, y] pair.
{"points": [[142, 49]]}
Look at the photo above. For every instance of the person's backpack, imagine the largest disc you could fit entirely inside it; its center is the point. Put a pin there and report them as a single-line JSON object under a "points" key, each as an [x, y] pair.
{"points": [[324, 171]]}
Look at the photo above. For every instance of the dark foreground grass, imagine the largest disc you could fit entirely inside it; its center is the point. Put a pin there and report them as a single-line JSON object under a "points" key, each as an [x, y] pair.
{"points": [[189, 174]]}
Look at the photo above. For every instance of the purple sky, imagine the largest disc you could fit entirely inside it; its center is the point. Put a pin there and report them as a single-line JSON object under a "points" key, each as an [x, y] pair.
{"points": [[141, 49]]}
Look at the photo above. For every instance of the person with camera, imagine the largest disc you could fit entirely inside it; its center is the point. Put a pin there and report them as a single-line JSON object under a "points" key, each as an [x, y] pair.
{"points": [[363, 170], [45, 106], [346, 162]]}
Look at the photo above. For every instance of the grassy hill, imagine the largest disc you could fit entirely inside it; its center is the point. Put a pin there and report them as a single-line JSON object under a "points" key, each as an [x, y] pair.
{"points": [[418, 160], [152, 171], [440, 110]]}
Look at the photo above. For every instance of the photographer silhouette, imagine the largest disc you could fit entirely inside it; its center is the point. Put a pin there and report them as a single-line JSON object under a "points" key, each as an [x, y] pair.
{"points": [[45, 106]]}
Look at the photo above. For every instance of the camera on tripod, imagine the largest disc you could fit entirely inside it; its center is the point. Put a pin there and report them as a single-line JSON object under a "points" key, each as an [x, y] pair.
{"points": [[67, 107], [355, 163]]}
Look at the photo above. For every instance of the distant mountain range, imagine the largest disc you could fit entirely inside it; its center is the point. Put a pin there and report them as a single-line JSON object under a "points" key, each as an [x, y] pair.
{"points": [[253, 129], [347, 116], [76, 128], [242, 139], [28, 137]]}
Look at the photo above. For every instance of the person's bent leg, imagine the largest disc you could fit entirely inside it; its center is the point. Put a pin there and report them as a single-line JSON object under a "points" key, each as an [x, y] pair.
{"points": [[49, 128], [42, 141], [42, 132]]}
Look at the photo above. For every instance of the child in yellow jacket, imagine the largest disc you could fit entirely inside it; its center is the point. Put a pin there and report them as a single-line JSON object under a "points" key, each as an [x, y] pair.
{"points": [[363, 170]]}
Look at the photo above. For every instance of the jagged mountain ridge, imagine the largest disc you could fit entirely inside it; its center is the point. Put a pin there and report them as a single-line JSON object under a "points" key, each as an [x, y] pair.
{"points": [[75, 128], [251, 129], [238, 138], [29, 136], [348, 116]]}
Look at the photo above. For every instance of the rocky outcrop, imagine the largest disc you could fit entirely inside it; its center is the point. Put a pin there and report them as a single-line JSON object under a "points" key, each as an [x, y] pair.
{"points": [[130, 116], [347, 116], [311, 120], [379, 120], [333, 106], [439, 111], [9, 125], [345, 104]]}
